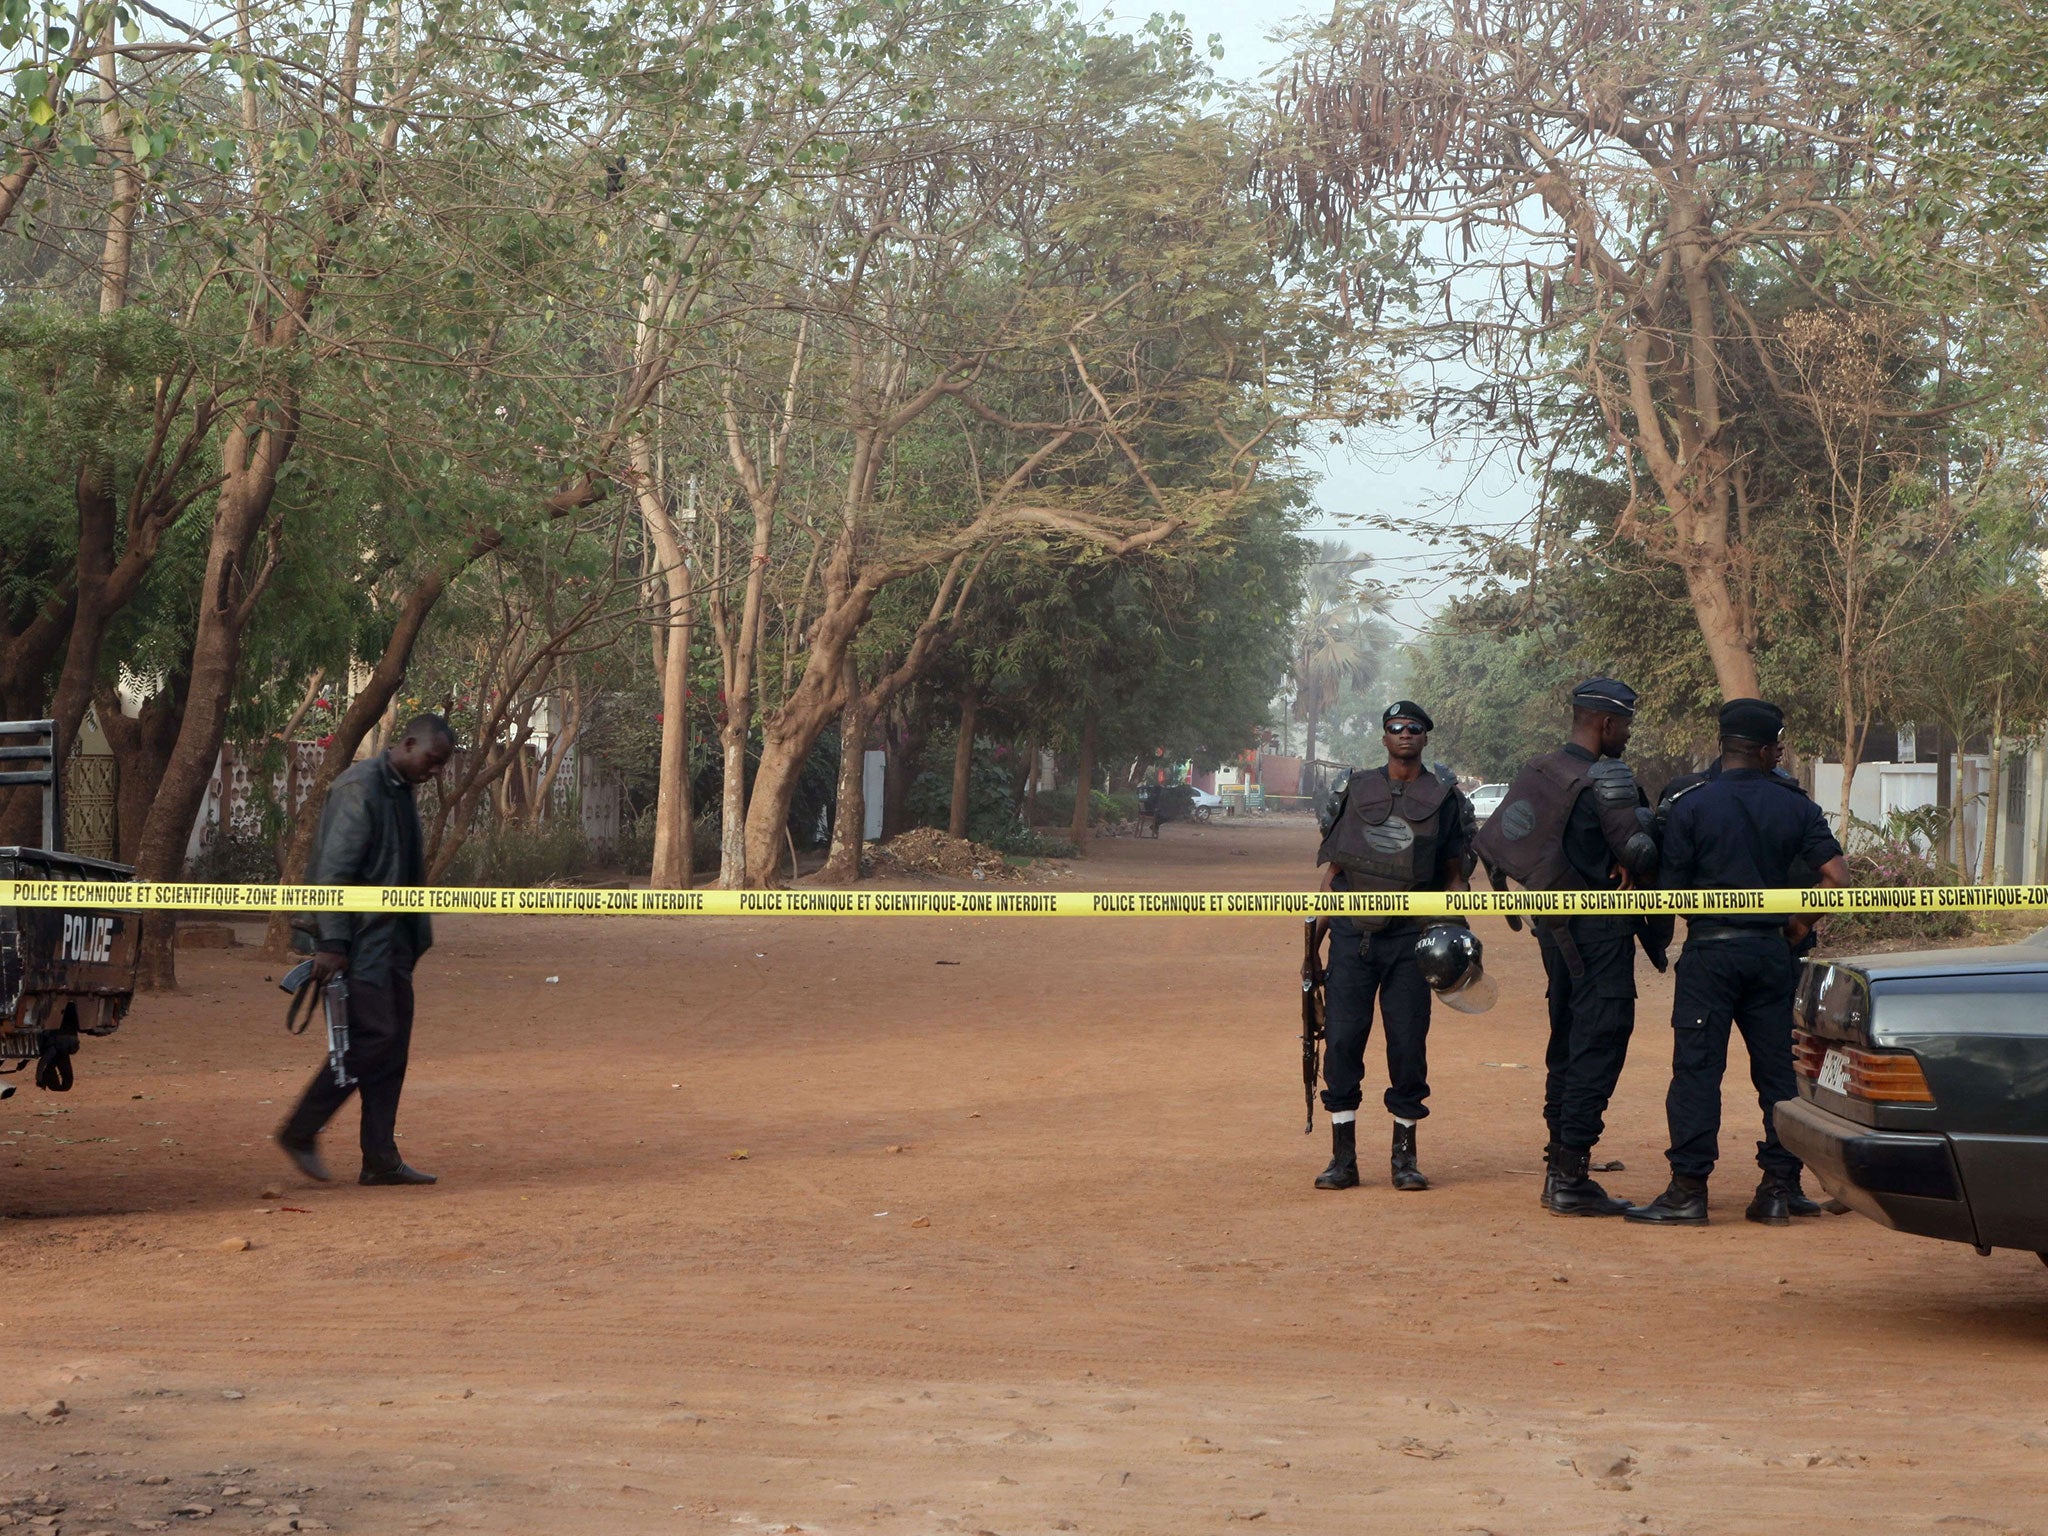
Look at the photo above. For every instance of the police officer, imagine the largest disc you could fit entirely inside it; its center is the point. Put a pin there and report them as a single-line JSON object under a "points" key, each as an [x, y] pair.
{"points": [[1400, 827], [1743, 829], [1770, 754], [1574, 819]]}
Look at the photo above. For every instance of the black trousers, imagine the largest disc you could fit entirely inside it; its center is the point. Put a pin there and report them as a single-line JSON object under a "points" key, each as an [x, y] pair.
{"points": [[379, 1044], [1746, 982], [1592, 1016], [1382, 967]]}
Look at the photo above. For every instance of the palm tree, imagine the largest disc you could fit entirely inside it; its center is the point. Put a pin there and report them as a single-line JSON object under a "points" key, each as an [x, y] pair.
{"points": [[1337, 636]]}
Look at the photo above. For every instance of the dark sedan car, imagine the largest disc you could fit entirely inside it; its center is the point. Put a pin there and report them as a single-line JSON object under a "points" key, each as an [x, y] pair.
{"points": [[1923, 1090]]}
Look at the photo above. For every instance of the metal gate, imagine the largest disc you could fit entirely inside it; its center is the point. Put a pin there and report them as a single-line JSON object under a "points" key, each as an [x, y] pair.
{"points": [[89, 805]]}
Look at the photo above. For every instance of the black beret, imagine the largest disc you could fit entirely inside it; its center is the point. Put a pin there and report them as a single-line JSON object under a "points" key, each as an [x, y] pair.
{"points": [[1752, 720], [1605, 695], [1407, 709]]}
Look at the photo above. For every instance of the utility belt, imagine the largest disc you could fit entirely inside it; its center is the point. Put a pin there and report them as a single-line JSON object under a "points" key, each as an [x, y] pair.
{"points": [[1722, 933]]}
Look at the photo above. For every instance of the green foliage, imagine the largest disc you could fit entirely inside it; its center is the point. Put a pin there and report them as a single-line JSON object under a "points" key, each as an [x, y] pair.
{"points": [[1497, 699], [1896, 854], [515, 854]]}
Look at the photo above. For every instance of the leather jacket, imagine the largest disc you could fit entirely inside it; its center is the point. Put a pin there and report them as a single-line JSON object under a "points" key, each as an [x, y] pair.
{"points": [[370, 835]]}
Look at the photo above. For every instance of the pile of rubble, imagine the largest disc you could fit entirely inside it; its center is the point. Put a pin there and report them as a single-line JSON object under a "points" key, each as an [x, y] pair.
{"points": [[928, 851]]}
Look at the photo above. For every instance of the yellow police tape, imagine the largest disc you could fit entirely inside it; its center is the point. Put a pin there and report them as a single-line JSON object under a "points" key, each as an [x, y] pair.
{"points": [[635, 902]]}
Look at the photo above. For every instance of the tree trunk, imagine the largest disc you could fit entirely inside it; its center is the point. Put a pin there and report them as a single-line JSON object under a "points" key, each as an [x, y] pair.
{"points": [[850, 805], [1729, 647], [963, 761], [20, 820], [1309, 723], [674, 866], [142, 750], [1084, 781], [905, 746], [734, 857], [767, 816], [1852, 756], [1031, 786], [558, 755], [227, 601], [1959, 816], [1987, 856]]}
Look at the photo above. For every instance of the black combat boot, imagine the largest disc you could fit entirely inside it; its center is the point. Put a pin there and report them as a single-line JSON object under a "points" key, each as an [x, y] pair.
{"points": [[1683, 1204], [1343, 1170], [1572, 1193], [1772, 1205], [1549, 1173], [1797, 1201], [1406, 1174]]}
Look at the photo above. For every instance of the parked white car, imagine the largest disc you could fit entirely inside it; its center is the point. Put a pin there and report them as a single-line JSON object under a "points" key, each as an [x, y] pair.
{"points": [[1486, 799]]}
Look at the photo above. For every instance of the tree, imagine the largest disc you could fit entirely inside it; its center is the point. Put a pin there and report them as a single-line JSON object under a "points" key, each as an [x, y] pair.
{"points": [[1605, 192], [1067, 336], [1337, 634]]}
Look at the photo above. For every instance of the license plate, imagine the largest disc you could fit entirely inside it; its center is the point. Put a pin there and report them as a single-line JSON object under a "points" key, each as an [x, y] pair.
{"points": [[1834, 1072]]}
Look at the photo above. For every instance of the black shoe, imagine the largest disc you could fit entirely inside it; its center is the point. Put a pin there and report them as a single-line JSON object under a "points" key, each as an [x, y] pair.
{"points": [[306, 1158], [1406, 1174], [1772, 1205], [1572, 1193], [1343, 1170], [1549, 1173], [1683, 1204], [403, 1173], [1797, 1201]]}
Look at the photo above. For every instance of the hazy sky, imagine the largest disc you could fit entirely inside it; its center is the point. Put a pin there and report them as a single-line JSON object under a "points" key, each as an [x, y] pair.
{"points": [[1379, 471]]}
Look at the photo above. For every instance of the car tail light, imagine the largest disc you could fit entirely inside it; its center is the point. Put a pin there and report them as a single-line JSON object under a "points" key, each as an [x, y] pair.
{"points": [[1888, 1077], [1877, 1077]]}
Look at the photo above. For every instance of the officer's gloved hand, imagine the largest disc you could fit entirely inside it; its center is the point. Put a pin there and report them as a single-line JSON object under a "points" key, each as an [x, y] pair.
{"points": [[1655, 935]]}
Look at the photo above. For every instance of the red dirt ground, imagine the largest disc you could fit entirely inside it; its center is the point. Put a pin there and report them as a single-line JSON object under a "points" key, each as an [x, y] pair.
{"points": [[1023, 1240]]}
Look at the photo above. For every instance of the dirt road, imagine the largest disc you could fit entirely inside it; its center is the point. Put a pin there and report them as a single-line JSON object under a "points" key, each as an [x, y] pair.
{"points": [[911, 1226]]}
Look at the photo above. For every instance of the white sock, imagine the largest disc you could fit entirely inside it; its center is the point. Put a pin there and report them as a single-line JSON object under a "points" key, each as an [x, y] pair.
{"points": [[1409, 1123], [1343, 1116]]}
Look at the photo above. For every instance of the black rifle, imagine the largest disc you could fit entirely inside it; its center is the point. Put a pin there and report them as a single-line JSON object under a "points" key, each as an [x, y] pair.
{"points": [[1311, 1015], [333, 1004]]}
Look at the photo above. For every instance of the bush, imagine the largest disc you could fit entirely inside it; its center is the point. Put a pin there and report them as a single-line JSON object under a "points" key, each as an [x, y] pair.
{"points": [[236, 858], [518, 856], [636, 842], [1892, 856], [1056, 807]]}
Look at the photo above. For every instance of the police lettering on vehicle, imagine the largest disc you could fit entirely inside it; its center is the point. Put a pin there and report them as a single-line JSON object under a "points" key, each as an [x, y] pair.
{"points": [[86, 938]]}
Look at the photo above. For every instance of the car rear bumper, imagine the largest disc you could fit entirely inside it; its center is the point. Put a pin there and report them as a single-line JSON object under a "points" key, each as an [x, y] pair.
{"points": [[1905, 1180]]}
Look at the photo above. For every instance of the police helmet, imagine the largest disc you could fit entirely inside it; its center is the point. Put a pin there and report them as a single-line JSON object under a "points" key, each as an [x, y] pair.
{"points": [[1451, 961]]}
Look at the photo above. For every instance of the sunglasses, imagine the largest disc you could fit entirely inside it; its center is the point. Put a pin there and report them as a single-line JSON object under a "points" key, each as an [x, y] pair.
{"points": [[1406, 728]]}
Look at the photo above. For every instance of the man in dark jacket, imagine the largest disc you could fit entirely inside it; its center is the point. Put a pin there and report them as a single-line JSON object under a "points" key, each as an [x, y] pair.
{"points": [[370, 835]]}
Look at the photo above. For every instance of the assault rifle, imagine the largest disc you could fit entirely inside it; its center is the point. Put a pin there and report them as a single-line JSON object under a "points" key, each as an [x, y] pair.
{"points": [[1311, 1015], [334, 1004]]}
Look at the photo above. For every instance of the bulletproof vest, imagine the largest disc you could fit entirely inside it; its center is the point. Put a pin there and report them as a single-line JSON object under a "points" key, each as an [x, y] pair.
{"points": [[1524, 838], [1385, 837]]}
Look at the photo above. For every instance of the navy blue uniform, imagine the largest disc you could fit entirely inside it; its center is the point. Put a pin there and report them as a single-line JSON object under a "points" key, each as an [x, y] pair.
{"points": [[1593, 1013], [1742, 829], [1380, 965]]}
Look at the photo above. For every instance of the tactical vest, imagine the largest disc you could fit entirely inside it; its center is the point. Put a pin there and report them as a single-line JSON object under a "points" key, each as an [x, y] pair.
{"points": [[1386, 837], [1524, 838]]}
